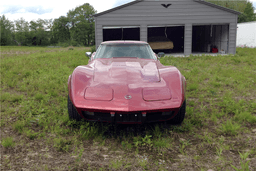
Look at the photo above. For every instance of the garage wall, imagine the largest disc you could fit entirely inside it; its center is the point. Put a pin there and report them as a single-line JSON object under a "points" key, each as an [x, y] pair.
{"points": [[232, 38], [188, 39], [151, 12]]}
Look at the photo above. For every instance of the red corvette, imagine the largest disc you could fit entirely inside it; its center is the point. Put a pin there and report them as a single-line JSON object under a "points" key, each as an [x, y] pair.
{"points": [[124, 82]]}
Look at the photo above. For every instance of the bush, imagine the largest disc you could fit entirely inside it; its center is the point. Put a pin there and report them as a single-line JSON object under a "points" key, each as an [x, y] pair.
{"points": [[74, 43], [93, 49]]}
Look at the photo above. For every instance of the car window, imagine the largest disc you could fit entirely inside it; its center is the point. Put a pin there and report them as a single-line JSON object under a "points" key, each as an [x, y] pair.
{"points": [[142, 51]]}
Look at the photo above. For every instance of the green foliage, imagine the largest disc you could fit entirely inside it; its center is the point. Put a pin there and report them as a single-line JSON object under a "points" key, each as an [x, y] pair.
{"points": [[19, 126], [157, 131], [31, 134], [93, 49], [183, 145], [137, 141], [230, 128], [60, 30], [82, 24], [245, 117], [76, 29], [5, 97], [192, 87], [116, 164], [143, 163], [185, 127], [126, 145], [161, 143], [146, 141], [61, 144], [243, 162], [90, 130], [248, 14], [6, 28], [8, 142]]}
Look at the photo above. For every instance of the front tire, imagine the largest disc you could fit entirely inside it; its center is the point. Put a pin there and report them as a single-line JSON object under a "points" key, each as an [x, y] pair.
{"points": [[178, 119], [72, 112]]}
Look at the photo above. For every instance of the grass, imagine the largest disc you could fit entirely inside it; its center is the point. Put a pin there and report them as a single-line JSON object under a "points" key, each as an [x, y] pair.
{"points": [[217, 132], [8, 142]]}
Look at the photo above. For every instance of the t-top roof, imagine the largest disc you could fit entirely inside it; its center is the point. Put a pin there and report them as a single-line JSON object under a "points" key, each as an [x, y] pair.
{"points": [[199, 1], [124, 42]]}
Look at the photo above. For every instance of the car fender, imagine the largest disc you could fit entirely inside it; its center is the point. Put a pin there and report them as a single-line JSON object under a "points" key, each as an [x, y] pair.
{"points": [[80, 79]]}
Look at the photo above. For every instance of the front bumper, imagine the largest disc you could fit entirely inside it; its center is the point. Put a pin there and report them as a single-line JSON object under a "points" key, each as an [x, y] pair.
{"points": [[130, 118]]}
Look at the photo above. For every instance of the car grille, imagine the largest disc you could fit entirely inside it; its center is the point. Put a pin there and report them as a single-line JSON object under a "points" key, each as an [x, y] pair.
{"points": [[128, 117]]}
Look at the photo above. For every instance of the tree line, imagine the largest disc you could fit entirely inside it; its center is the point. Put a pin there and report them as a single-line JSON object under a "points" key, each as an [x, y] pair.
{"points": [[77, 28]]}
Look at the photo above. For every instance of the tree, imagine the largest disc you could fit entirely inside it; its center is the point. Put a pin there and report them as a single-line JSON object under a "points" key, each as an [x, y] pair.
{"points": [[38, 33], [61, 30], [82, 24], [6, 27], [21, 31], [249, 12]]}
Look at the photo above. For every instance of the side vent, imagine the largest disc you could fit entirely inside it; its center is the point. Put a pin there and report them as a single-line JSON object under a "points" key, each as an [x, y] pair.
{"points": [[166, 5]]}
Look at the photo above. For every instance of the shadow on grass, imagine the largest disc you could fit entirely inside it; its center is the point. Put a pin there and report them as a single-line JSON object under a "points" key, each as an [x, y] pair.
{"points": [[120, 131]]}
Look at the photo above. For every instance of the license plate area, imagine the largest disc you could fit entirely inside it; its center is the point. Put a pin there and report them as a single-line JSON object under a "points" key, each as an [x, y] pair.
{"points": [[133, 117]]}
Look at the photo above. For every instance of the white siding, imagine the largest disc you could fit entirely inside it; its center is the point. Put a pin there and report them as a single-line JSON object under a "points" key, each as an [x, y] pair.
{"points": [[246, 34]]}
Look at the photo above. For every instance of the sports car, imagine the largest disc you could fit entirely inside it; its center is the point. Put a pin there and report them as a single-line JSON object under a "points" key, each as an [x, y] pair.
{"points": [[125, 83]]}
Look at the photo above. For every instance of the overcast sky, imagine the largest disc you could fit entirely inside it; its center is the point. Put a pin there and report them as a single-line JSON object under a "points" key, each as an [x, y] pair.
{"points": [[51, 9]]}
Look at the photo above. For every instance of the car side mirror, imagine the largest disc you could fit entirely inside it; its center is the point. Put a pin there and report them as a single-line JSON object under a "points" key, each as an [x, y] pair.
{"points": [[160, 54], [88, 54]]}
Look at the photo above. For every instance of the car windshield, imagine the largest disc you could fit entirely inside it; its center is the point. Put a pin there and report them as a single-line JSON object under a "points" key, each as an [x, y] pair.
{"points": [[142, 51]]}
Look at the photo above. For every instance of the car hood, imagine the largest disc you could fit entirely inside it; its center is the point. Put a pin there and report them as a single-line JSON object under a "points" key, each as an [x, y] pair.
{"points": [[125, 85], [125, 70]]}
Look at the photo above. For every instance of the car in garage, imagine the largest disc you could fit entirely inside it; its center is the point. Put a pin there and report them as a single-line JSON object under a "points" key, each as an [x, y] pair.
{"points": [[125, 83]]}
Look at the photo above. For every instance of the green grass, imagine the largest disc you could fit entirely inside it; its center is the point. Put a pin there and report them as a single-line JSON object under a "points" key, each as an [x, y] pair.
{"points": [[230, 128], [220, 116], [8, 142]]}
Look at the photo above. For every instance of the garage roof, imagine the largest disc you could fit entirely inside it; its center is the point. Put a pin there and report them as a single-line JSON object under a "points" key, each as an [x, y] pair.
{"points": [[199, 1]]}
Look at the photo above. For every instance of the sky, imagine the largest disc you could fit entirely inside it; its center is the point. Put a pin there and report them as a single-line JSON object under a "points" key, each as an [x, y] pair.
{"points": [[51, 9]]}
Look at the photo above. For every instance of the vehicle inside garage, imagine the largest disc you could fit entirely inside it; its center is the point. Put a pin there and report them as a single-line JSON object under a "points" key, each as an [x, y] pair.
{"points": [[210, 39], [121, 33], [168, 39]]}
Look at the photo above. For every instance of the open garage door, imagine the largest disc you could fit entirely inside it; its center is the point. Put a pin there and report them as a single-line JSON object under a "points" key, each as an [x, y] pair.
{"points": [[210, 38], [167, 39], [121, 33]]}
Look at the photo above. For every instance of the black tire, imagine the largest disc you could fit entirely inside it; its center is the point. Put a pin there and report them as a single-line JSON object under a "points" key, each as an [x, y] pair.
{"points": [[178, 119], [72, 112]]}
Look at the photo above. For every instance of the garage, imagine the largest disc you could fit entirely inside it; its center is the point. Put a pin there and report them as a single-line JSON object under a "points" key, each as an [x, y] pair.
{"points": [[175, 27]]}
